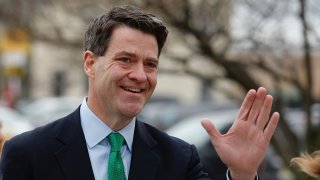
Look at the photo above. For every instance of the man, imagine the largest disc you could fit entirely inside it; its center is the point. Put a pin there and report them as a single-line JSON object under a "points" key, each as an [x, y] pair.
{"points": [[122, 49]]}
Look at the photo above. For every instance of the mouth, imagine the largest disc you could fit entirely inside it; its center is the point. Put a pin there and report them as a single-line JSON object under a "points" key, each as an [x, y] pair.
{"points": [[133, 90]]}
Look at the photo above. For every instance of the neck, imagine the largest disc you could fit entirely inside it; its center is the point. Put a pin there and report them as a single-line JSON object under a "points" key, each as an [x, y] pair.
{"points": [[113, 121]]}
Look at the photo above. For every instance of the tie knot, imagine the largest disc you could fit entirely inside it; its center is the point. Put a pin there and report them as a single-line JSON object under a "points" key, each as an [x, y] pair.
{"points": [[116, 141]]}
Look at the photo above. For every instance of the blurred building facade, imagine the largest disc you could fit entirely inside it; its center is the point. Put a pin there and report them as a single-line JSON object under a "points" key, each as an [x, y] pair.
{"points": [[53, 67], [50, 61]]}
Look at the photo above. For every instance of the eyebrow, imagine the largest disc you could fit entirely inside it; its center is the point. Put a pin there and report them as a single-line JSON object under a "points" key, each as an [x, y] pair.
{"points": [[130, 54], [125, 53]]}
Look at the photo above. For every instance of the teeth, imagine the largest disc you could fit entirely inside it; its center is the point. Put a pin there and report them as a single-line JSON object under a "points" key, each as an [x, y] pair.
{"points": [[133, 89]]}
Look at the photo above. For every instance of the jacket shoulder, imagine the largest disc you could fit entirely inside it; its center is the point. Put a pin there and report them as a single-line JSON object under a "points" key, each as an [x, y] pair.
{"points": [[42, 136], [165, 139]]}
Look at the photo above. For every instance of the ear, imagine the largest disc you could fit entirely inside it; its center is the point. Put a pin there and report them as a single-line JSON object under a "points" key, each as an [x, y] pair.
{"points": [[88, 63]]}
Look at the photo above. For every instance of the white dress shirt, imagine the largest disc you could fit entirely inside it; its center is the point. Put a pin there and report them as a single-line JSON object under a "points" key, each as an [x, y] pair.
{"points": [[95, 133]]}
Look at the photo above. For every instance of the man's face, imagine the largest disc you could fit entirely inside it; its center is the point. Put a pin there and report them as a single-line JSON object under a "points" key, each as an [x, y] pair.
{"points": [[126, 76]]}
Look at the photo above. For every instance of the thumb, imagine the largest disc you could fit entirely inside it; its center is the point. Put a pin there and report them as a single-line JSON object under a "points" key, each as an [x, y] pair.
{"points": [[211, 129]]}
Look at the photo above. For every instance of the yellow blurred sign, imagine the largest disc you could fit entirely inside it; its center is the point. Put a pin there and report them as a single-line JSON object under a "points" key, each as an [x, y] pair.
{"points": [[14, 50], [15, 39]]}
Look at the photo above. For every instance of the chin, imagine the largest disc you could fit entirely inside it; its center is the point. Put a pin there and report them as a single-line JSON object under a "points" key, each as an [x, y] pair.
{"points": [[131, 111]]}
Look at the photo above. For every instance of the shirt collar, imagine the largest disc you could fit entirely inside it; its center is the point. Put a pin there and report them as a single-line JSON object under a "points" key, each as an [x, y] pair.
{"points": [[95, 130]]}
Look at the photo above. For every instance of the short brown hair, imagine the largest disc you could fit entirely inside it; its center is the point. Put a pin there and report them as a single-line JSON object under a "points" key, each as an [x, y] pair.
{"points": [[98, 34]]}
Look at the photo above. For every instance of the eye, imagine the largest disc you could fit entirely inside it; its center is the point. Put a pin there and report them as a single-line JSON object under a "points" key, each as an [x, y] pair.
{"points": [[152, 64], [124, 59]]}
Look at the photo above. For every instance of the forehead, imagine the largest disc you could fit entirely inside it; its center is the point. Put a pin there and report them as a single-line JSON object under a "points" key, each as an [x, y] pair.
{"points": [[128, 39]]}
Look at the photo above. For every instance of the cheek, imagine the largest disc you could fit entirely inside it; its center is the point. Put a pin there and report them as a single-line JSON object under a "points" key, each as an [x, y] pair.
{"points": [[114, 75], [153, 81]]}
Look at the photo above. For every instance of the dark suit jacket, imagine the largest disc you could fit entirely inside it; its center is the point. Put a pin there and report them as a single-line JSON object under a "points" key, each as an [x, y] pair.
{"points": [[58, 151]]}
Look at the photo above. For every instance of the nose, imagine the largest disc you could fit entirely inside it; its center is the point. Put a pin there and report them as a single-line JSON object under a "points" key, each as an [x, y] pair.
{"points": [[138, 73]]}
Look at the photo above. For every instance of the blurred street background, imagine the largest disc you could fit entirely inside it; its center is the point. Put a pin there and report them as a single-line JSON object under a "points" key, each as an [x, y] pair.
{"points": [[216, 51]]}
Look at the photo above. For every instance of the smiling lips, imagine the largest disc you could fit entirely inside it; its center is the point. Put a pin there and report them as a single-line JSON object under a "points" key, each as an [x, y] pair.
{"points": [[134, 90]]}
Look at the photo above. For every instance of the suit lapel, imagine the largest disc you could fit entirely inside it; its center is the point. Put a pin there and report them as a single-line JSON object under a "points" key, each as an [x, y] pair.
{"points": [[73, 157], [145, 158]]}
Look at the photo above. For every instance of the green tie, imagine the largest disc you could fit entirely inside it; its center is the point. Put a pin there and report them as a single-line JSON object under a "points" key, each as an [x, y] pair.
{"points": [[115, 166]]}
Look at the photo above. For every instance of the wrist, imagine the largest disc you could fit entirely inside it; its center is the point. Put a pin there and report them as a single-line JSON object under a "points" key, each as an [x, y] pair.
{"points": [[241, 175]]}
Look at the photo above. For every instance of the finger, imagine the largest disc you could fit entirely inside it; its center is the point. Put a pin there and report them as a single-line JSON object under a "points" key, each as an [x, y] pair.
{"points": [[271, 127], [246, 105], [211, 129], [264, 115], [256, 107]]}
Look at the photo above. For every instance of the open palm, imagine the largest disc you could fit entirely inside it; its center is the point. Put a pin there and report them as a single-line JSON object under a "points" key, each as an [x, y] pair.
{"points": [[244, 146]]}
